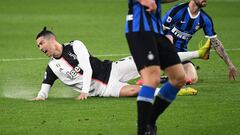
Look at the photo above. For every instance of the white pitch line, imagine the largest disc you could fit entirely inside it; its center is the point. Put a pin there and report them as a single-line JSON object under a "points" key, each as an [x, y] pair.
{"points": [[100, 55], [31, 59]]}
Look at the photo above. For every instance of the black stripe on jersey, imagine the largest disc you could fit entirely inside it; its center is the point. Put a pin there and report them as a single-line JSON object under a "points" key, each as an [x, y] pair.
{"points": [[176, 10], [130, 12], [182, 45], [201, 20], [49, 77], [69, 55], [158, 25], [101, 69], [174, 39], [189, 24], [141, 21], [149, 20], [179, 25]]}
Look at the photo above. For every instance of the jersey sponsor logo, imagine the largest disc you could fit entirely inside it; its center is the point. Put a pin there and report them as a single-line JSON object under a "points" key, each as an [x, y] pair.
{"points": [[73, 73], [180, 34]]}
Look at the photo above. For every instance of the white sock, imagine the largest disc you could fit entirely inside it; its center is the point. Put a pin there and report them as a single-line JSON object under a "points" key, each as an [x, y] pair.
{"points": [[157, 91], [184, 56]]}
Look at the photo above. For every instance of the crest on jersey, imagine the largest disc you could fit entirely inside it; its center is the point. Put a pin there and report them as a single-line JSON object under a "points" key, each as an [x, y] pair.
{"points": [[72, 55], [169, 19], [197, 27]]}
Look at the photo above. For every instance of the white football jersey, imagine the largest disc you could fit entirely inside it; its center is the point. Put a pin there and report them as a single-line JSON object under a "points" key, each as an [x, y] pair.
{"points": [[78, 69]]}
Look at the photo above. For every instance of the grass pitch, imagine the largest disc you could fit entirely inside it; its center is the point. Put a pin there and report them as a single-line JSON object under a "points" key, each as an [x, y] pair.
{"points": [[100, 25]]}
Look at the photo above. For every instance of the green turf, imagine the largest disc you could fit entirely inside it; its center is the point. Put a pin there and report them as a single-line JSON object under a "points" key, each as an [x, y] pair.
{"points": [[100, 25]]}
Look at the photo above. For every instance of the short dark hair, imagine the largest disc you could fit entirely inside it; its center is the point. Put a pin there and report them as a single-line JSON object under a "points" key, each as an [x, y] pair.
{"points": [[44, 32]]}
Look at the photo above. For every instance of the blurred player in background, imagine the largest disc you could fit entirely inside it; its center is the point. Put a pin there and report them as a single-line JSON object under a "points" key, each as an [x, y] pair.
{"points": [[74, 66], [181, 22]]}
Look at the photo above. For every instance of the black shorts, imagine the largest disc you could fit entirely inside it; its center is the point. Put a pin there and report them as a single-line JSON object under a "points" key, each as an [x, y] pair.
{"points": [[148, 49]]}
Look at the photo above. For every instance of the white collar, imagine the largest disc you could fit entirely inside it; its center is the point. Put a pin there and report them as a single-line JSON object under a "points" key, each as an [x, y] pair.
{"points": [[192, 17]]}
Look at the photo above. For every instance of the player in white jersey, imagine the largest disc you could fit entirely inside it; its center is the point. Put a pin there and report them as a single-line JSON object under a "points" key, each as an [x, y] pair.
{"points": [[72, 64]]}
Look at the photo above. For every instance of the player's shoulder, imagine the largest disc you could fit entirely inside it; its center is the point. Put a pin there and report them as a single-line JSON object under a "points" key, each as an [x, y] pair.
{"points": [[77, 42], [205, 14], [181, 5], [74, 42]]}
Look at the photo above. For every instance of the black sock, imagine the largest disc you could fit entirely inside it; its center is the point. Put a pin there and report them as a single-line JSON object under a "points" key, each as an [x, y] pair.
{"points": [[144, 110], [158, 107]]}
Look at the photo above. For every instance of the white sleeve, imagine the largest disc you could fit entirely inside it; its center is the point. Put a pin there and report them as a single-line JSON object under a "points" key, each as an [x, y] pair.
{"points": [[43, 93], [84, 63]]}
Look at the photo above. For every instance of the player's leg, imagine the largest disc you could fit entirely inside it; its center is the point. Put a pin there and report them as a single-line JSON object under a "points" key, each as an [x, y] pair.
{"points": [[143, 47], [129, 91], [169, 90], [202, 53], [191, 72], [170, 63]]}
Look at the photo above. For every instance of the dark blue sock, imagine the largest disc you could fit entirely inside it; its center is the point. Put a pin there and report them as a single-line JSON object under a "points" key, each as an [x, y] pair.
{"points": [[146, 94], [164, 98], [144, 107], [168, 92]]}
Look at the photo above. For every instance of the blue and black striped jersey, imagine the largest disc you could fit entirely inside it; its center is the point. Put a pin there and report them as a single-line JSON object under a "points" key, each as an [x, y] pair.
{"points": [[138, 19], [180, 23]]}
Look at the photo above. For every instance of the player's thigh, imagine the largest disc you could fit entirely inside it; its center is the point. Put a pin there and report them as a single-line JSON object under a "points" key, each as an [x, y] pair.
{"points": [[129, 90], [175, 72], [114, 88], [190, 71], [143, 47]]}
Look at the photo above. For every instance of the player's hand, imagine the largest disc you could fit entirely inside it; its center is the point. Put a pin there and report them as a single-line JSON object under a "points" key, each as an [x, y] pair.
{"points": [[150, 4], [82, 96], [38, 98], [232, 72]]}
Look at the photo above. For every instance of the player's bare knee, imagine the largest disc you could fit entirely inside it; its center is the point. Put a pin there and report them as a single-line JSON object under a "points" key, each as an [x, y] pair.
{"points": [[152, 80], [192, 79], [178, 81], [151, 77], [134, 92]]}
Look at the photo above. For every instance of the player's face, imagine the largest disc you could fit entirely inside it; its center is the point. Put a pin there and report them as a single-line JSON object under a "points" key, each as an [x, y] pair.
{"points": [[46, 45], [201, 3]]}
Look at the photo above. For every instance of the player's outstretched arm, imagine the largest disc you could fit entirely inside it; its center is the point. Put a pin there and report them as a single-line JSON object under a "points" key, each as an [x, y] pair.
{"points": [[43, 93], [217, 44]]}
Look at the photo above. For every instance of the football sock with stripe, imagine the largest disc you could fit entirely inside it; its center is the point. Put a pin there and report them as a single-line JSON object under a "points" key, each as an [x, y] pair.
{"points": [[163, 99], [144, 107]]}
